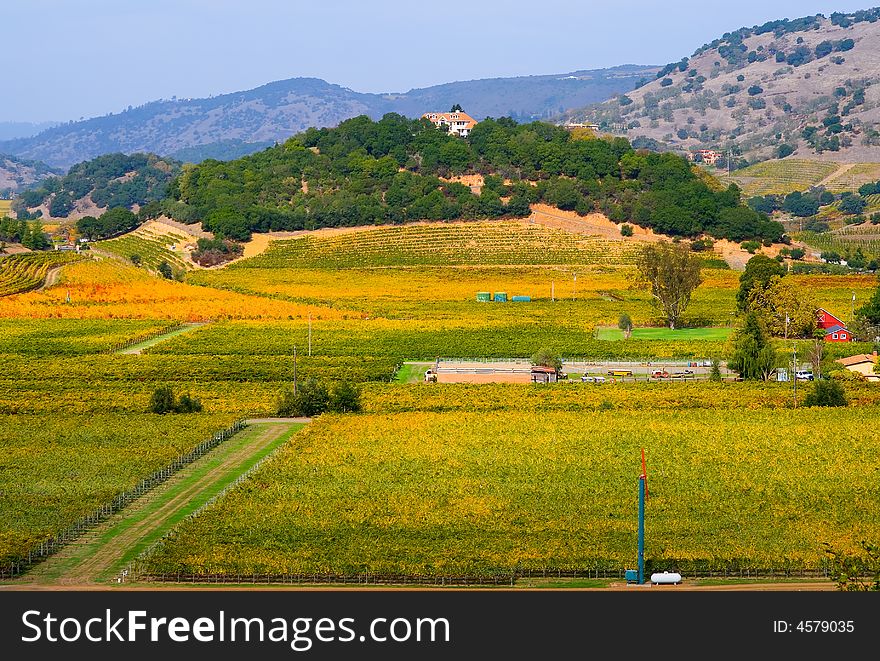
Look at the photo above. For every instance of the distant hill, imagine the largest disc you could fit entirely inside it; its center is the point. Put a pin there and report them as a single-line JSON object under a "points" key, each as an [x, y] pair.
{"points": [[16, 174], [252, 119], [806, 86], [12, 130], [91, 187]]}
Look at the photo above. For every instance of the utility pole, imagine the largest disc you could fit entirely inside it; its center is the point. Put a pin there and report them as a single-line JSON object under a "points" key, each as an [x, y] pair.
{"points": [[852, 308], [552, 292], [794, 372], [310, 334], [575, 285]]}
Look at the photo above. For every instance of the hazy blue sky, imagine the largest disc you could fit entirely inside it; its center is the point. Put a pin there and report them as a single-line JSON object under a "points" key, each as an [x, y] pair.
{"points": [[71, 58]]}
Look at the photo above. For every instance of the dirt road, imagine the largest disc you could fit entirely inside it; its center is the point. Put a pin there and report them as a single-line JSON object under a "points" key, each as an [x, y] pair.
{"points": [[100, 555]]}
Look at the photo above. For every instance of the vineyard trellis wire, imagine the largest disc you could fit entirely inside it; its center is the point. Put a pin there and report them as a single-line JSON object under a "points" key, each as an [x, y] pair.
{"points": [[52, 545], [133, 569], [125, 344], [501, 578]]}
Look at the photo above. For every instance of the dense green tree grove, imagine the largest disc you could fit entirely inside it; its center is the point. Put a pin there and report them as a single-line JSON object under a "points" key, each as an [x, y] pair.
{"points": [[394, 170], [113, 180]]}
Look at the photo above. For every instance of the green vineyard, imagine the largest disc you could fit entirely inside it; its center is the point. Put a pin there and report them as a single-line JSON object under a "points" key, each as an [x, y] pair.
{"points": [[782, 177], [152, 247], [478, 243], [23, 272], [426, 494]]}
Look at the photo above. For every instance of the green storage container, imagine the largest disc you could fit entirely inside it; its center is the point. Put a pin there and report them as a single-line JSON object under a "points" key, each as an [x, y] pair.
{"points": [[484, 296]]}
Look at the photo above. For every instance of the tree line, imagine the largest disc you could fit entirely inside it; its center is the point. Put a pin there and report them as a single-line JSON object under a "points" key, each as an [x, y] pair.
{"points": [[396, 170]]}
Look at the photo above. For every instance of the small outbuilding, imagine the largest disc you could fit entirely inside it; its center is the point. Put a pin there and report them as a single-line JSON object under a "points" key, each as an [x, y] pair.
{"points": [[542, 374]]}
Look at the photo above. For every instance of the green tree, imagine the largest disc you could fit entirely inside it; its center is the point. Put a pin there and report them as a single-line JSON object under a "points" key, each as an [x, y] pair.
{"points": [[135, 259], [625, 324], [188, 404], [753, 356], [855, 573], [165, 270], [310, 398], [826, 393], [345, 397], [546, 358], [785, 308], [162, 400], [671, 272], [759, 270], [868, 317], [715, 372]]}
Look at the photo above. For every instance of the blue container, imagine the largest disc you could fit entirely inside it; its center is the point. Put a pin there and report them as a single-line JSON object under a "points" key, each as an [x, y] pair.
{"points": [[521, 299], [632, 575]]}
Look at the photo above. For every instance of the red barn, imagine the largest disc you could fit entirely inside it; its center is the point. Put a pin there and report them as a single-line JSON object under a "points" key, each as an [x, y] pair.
{"points": [[835, 329]]}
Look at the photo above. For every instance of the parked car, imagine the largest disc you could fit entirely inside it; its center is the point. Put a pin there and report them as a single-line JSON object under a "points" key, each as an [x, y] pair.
{"points": [[683, 374], [804, 375], [659, 374], [592, 378]]}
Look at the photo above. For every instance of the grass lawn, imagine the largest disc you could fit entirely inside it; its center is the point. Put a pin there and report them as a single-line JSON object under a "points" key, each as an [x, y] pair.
{"points": [[609, 333]]}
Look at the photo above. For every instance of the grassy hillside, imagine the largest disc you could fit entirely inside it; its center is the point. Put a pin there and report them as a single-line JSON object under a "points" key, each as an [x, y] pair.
{"points": [[806, 85]]}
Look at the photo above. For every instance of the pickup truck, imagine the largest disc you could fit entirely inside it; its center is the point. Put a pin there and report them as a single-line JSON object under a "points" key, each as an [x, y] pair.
{"points": [[683, 374], [659, 374]]}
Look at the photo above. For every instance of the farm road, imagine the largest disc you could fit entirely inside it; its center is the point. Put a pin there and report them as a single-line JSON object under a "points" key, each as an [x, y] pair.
{"points": [[101, 554], [137, 349]]}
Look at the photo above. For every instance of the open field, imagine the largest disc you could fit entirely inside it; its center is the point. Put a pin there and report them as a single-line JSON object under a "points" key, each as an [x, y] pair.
{"points": [[490, 493], [430, 479], [717, 334], [5, 207]]}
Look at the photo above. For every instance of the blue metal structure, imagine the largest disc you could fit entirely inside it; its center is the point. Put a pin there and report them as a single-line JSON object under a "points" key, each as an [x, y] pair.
{"points": [[642, 480]]}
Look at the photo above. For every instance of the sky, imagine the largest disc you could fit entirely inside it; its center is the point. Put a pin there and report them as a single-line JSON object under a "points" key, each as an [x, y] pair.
{"points": [[76, 59]]}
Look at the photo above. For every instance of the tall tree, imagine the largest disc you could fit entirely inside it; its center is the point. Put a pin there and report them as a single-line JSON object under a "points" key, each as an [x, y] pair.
{"points": [[753, 357], [672, 273], [785, 308], [759, 270]]}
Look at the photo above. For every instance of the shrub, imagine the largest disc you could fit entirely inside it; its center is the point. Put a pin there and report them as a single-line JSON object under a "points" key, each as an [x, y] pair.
{"points": [[310, 398], [666, 82], [165, 270], [163, 401], [344, 398], [626, 229], [750, 246], [784, 150], [754, 90], [826, 393]]}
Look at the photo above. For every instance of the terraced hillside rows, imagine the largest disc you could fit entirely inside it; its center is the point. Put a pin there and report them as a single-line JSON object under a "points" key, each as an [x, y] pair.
{"points": [[23, 272], [152, 246], [479, 243], [782, 177]]}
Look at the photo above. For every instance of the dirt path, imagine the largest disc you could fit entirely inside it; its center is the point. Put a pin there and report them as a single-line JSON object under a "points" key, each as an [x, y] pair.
{"points": [[842, 170], [137, 349], [52, 276], [98, 556]]}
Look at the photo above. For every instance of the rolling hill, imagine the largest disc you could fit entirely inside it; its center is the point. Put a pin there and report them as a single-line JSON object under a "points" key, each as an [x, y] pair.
{"points": [[245, 122], [16, 174], [806, 86]]}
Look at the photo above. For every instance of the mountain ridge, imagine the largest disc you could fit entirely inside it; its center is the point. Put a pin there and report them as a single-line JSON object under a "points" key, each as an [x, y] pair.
{"points": [[279, 109]]}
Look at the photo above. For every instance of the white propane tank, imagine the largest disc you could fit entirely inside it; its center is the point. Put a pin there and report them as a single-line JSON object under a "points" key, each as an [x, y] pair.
{"points": [[666, 578]]}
